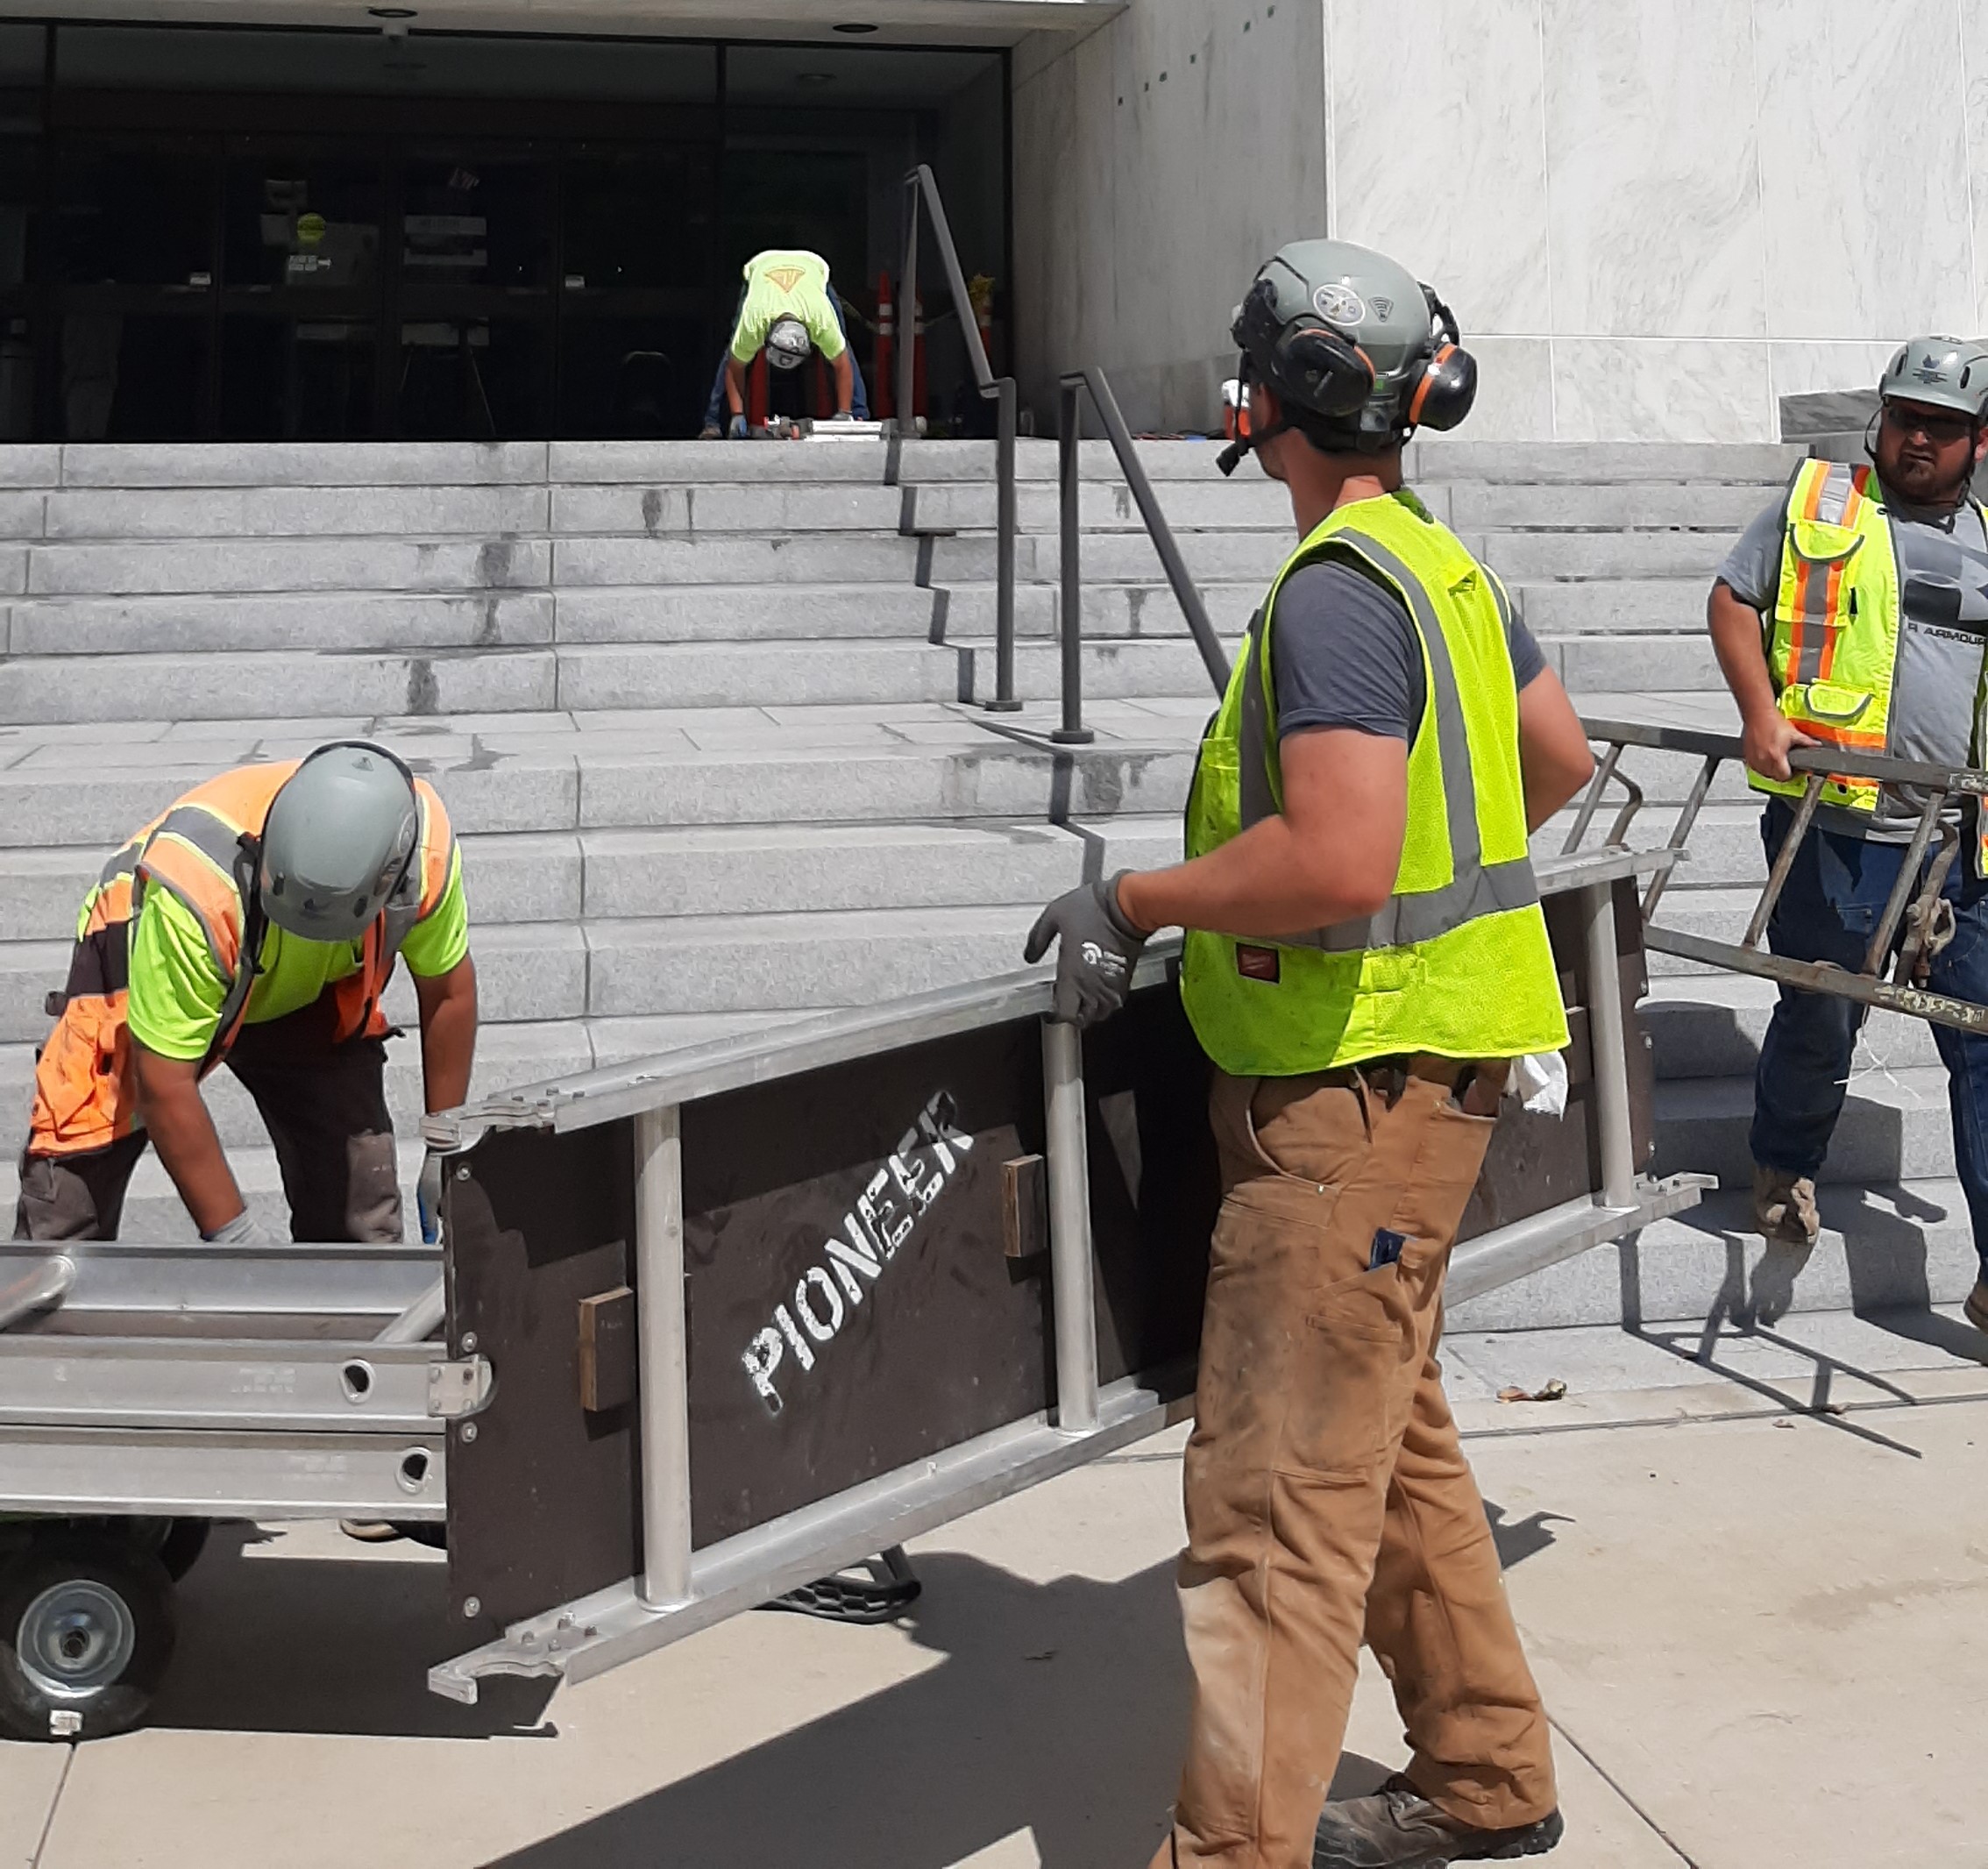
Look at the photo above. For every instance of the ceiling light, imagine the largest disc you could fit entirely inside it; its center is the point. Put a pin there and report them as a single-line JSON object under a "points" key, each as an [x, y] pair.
{"points": [[855, 26], [816, 77], [390, 12]]}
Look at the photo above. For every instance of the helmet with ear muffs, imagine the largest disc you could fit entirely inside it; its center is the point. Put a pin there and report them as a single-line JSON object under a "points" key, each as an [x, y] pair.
{"points": [[1359, 353], [1447, 385]]}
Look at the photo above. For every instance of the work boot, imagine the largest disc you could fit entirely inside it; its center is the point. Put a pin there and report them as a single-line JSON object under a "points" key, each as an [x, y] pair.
{"points": [[1397, 1828], [1784, 1206], [711, 431], [1977, 1304]]}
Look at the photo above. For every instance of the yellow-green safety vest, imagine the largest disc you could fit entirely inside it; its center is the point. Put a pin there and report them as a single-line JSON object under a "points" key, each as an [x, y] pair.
{"points": [[1832, 642], [1458, 961]]}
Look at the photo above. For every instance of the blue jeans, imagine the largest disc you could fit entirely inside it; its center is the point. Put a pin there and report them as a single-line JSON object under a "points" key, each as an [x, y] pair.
{"points": [[717, 415], [1832, 905]]}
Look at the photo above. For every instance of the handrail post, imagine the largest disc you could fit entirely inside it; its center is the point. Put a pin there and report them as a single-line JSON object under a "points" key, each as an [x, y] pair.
{"points": [[907, 329], [1069, 617], [1006, 524]]}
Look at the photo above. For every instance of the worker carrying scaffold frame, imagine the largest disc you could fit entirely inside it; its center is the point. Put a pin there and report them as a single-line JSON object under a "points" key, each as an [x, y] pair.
{"points": [[1851, 616], [1390, 735]]}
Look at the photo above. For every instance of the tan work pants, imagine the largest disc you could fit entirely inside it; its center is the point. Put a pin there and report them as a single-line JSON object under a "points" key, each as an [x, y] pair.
{"points": [[1327, 1494]]}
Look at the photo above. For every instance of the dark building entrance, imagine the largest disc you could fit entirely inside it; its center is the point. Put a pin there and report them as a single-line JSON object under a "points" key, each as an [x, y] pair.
{"points": [[210, 232]]}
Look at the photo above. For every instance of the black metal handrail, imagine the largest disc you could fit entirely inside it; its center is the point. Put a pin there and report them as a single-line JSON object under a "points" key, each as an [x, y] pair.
{"points": [[1093, 381], [920, 183]]}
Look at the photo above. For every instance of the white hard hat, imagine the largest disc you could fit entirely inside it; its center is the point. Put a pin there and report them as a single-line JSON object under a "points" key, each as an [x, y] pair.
{"points": [[788, 346]]}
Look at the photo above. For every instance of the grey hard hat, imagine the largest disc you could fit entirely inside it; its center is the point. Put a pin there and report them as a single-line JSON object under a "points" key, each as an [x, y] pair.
{"points": [[788, 344], [1944, 372], [340, 833], [1392, 360]]}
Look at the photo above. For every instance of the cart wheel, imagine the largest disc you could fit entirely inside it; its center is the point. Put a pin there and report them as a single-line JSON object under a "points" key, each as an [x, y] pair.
{"points": [[86, 1633], [179, 1550]]}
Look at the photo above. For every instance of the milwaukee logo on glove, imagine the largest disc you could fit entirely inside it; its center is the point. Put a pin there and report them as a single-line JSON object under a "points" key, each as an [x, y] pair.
{"points": [[874, 1231]]}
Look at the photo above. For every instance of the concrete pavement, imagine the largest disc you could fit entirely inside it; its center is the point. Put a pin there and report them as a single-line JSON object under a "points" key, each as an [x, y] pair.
{"points": [[1760, 1632]]}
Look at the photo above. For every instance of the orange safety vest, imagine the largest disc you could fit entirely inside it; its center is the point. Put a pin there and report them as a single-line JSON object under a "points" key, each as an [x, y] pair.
{"points": [[207, 850]]}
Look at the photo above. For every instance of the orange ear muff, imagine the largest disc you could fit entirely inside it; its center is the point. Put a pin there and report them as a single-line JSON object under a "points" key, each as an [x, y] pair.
{"points": [[1431, 373], [1446, 390]]}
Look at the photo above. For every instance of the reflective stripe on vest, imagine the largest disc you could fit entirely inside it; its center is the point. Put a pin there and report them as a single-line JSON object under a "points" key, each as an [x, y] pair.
{"points": [[1458, 961], [1832, 638], [1475, 888]]}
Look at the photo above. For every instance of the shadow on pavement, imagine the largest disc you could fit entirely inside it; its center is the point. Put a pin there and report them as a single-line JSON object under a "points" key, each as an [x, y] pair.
{"points": [[1058, 1709], [319, 1646]]}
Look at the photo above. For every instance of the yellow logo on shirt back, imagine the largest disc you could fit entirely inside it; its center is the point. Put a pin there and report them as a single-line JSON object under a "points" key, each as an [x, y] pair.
{"points": [[786, 278]]}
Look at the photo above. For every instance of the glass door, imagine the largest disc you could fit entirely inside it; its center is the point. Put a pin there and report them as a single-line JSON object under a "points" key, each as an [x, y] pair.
{"points": [[637, 346], [301, 290], [471, 303], [131, 240]]}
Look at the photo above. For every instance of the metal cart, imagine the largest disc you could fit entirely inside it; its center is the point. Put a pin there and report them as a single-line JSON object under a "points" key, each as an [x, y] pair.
{"points": [[715, 1324]]}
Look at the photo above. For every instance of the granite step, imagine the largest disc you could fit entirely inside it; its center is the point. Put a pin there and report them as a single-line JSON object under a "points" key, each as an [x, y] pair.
{"points": [[1712, 1024], [1601, 606], [1895, 1246], [970, 609], [942, 768], [545, 876], [1895, 1126], [1491, 507], [392, 623], [1723, 851], [1603, 463], [1620, 659], [1529, 558], [125, 568], [748, 964], [326, 624]]}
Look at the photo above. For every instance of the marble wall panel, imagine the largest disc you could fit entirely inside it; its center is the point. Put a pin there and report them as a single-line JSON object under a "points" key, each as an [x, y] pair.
{"points": [[1807, 369], [1514, 390], [1974, 66], [1661, 389], [1436, 148], [1653, 187], [1864, 167], [1149, 188]]}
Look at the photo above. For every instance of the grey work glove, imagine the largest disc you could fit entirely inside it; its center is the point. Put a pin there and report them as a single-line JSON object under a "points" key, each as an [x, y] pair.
{"points": [[244, 1230], [740, 430], [1096, 951], [428, 1199], [842, 414]]}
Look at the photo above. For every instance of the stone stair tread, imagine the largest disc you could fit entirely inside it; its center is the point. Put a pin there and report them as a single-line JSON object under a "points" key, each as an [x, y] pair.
{"points": [[1900, 1245], [1894, 1126]]}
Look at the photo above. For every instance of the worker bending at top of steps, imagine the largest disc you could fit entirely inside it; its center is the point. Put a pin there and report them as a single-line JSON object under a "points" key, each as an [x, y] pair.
{"points": [[1366, 957], [790, 311], [257, 922], [1853, 612]]}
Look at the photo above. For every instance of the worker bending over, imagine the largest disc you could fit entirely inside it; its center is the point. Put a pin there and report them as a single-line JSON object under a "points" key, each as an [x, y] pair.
{"points": [[790, 311], [1852, 612], [1366, 957], [257, 922]]}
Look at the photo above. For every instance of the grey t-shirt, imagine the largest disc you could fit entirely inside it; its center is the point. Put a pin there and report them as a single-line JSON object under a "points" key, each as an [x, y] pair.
{"points": [[1943, 631], [1344, 653]]}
